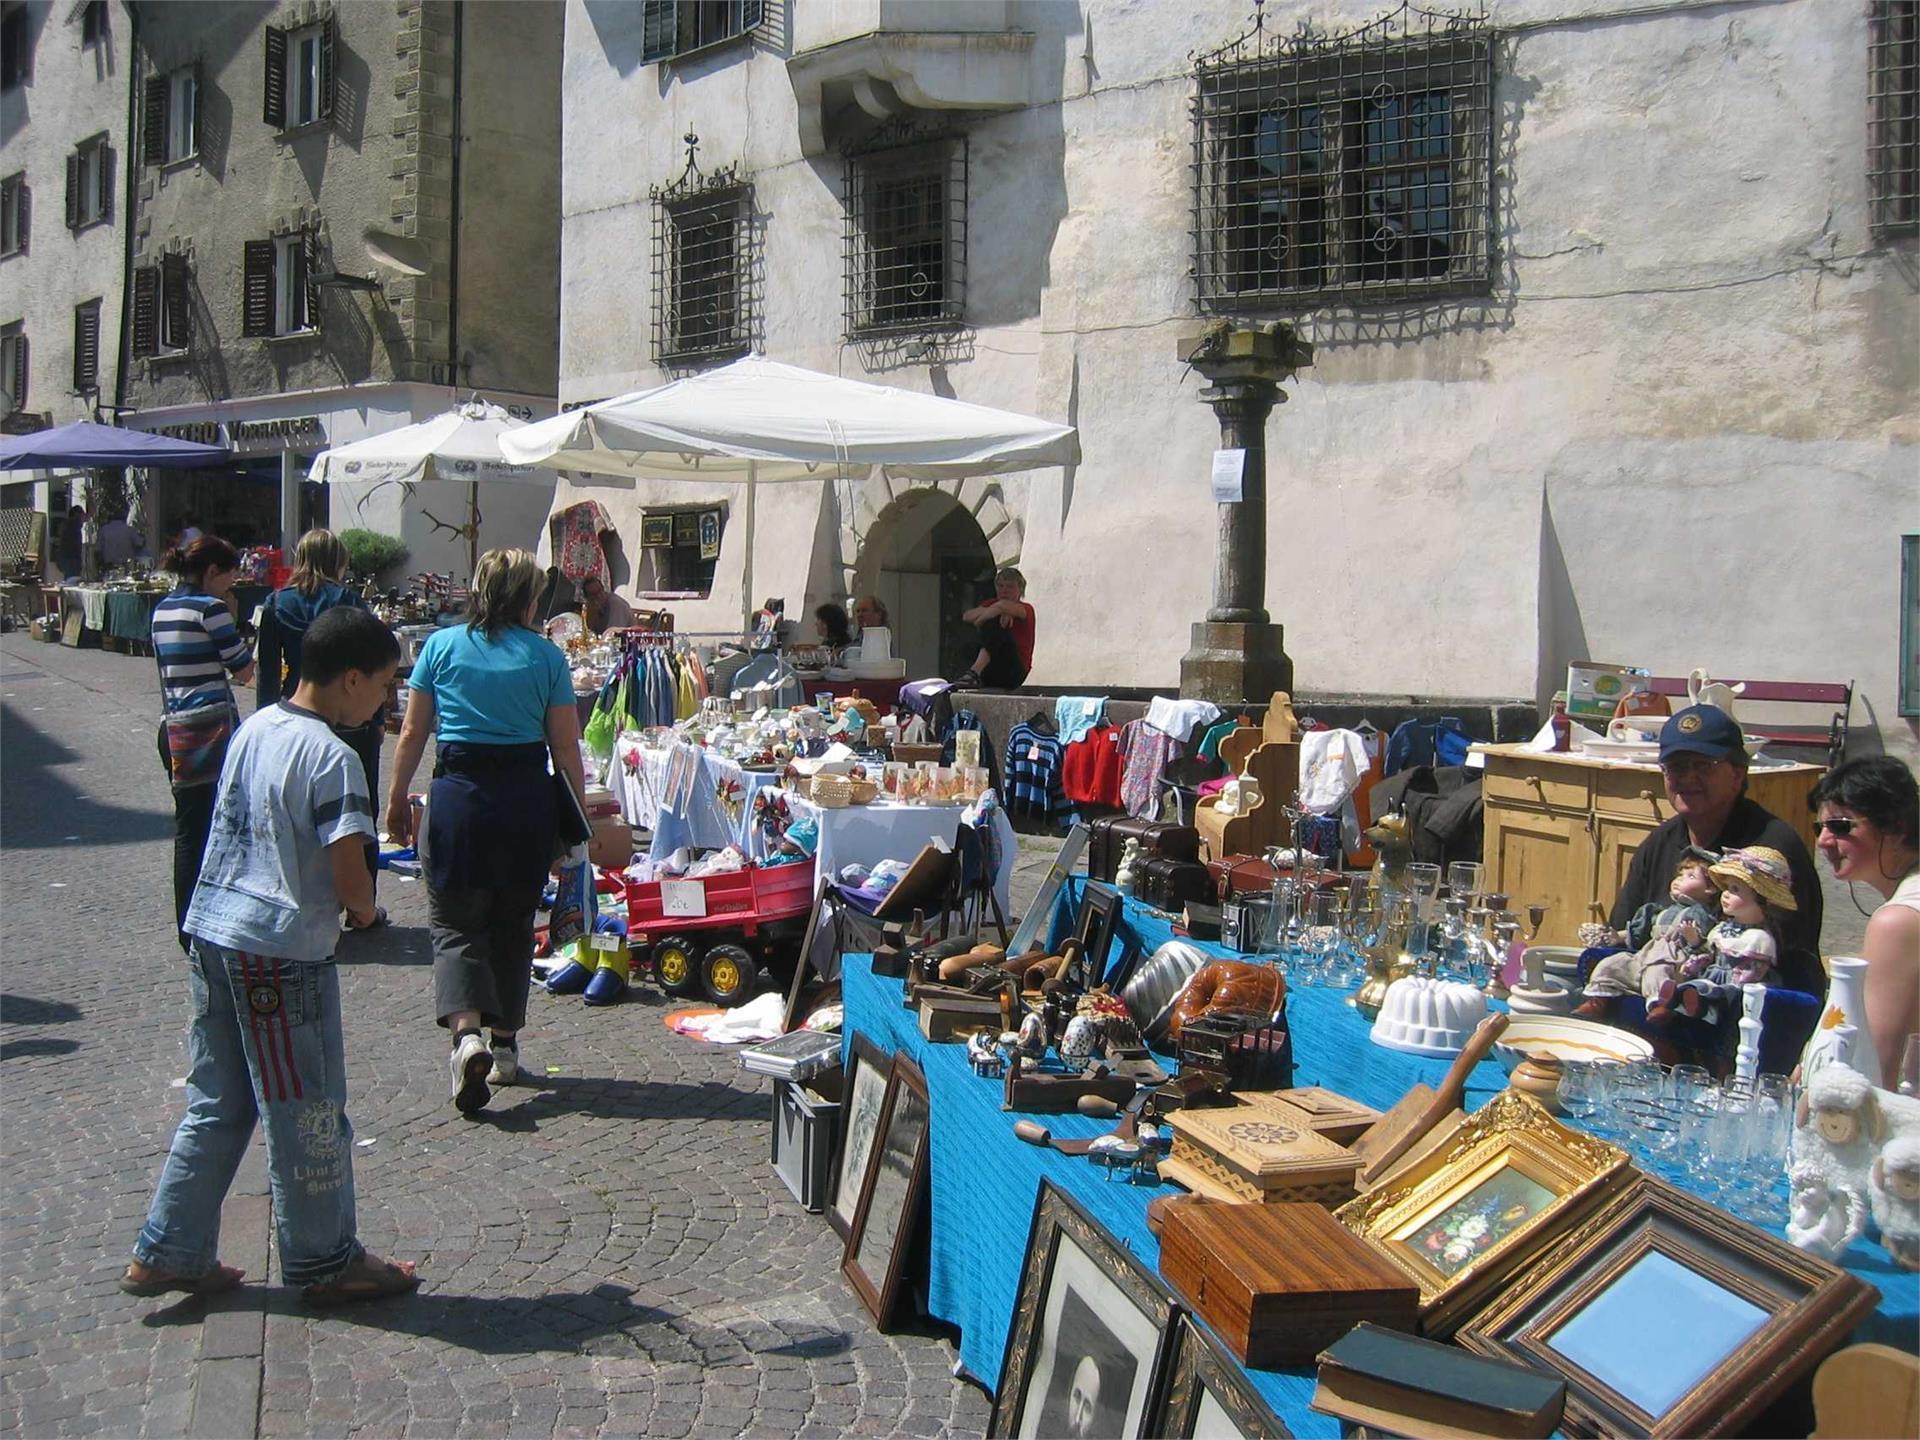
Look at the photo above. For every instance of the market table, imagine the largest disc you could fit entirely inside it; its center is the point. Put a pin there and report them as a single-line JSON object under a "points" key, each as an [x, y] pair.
{"points": [[705, 821], [886, 830], [984, 1181]]}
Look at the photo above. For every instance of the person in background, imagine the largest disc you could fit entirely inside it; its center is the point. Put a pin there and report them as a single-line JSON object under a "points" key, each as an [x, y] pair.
{"points": [[498, 698], [601, 608], [197, 648], [189, 529], [830, 624], [265, 1039], [72, 548], [118, 543], [1005, 624], [868, 611], [1703, 761], [317, 585], [1869, 822]]}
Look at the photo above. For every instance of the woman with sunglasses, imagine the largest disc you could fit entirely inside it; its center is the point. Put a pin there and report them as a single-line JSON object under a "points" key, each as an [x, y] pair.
{"points": [[1869, 831]]}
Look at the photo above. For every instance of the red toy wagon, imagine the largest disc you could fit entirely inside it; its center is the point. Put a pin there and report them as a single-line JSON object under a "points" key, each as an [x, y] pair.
{"points": [[713, 934]]}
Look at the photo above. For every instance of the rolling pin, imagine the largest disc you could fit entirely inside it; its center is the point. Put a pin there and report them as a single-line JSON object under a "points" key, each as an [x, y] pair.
{"points": [[1419, 1109], [980, 955]]}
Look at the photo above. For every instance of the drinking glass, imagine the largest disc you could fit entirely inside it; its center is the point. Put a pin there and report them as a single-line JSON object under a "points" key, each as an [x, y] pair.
{"points": [[1689, 1083], [1423, 882], [1319, 938], [1583, 1089], [1463, 879]]}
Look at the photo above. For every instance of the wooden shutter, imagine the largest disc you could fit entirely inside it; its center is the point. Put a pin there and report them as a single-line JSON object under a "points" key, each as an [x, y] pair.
{"points": [[752, 12], [153, 122], [86, 346], [256, 292], [659, 30], [308, 253], [199, 104], [103, 173], [146, 312], [274, 85], [23, 214], [19, 376], [73, 191], [176, 301], [329, 37]]}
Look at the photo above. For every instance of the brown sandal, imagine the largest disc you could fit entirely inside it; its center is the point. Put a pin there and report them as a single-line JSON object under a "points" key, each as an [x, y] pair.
{"points": [[144, 1281], [368, 1277]]}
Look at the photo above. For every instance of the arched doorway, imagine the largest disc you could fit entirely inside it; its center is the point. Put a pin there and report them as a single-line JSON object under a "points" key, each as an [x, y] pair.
{"points": [[927, 559]]}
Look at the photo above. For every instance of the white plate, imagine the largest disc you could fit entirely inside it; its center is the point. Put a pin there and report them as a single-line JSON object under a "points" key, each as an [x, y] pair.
{"points": [[1565, 1038]]}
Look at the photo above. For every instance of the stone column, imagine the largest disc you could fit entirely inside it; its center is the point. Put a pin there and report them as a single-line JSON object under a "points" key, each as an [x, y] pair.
{"points": [[1237, 653]]}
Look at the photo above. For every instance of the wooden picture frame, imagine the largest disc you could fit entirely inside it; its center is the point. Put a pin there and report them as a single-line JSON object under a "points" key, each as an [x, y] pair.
{"points": [[656, 531], [1082, 1287], [1100, 910], [1654, 1266], [1491, 1199], [893, 1193], [1208, 1393], [863, 1093]]}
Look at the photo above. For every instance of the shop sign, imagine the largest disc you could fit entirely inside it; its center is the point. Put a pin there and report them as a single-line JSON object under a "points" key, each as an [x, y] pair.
{"points": [[288, 434], [200, 432]]}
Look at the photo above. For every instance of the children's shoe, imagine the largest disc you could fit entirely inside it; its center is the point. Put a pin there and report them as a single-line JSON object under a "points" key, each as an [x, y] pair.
{"points": [[1693, 999], [1659, 1013], [506, 1065], [569, 979], [1594, 1007], [467, 1069], [609, 983]]}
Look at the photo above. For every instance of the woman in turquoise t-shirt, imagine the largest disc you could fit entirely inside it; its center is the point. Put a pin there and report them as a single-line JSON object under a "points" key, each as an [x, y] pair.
{"points": [[498, 698]]}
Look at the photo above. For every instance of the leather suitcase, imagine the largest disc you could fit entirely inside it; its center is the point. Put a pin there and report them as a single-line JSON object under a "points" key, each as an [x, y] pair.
{"points": [[1157, 838], [1168, 884]]}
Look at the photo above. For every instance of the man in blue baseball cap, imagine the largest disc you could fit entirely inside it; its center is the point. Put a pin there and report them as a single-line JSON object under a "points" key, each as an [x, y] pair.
{"points": [[1703, 760]]}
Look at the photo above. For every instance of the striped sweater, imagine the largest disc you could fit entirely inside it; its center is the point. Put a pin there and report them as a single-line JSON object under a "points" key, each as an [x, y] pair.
{"points": [[196, 644]]}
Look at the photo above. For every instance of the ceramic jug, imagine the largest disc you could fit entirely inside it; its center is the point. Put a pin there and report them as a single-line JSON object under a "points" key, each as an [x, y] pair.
{"points": [[1846, 1009]]}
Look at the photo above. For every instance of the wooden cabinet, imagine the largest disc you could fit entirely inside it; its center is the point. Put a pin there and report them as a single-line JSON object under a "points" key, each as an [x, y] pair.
{"points": [[1563, 828]]}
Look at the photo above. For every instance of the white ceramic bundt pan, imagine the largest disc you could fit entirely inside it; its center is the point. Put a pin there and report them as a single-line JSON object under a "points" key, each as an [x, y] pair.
{"points": [[1425, 1016]]}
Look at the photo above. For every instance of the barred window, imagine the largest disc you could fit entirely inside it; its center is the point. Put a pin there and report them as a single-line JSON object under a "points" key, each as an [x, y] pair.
{"points": [[703, 272], [906, 233], [1350, 167], [1893, 123]]}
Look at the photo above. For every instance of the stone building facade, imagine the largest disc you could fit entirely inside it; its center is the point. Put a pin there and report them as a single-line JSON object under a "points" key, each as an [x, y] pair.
{"points": [[344, 222], [1613, 307]]}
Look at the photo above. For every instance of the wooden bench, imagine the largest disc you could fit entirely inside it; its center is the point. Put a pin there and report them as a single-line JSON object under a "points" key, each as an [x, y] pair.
{"points": [[1836, 698]]}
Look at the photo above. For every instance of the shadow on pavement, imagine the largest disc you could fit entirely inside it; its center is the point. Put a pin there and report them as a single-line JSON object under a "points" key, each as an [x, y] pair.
{"points": [[25, 1010], [17, 1049], [551, 1096], [42, 809]]}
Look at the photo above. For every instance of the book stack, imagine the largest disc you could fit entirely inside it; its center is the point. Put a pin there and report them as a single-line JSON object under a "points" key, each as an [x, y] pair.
{"points": [[1394, 1384]]}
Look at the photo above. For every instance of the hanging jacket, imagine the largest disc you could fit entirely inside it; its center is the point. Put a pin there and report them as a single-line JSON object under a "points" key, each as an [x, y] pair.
{"points": [[1090, 768]]}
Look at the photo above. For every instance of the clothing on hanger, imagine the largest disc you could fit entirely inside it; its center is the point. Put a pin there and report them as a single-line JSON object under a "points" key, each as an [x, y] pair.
{"points": [[1178, 717], [1032, 768], [1146, 751], [1090, 768], [1075, 715]]}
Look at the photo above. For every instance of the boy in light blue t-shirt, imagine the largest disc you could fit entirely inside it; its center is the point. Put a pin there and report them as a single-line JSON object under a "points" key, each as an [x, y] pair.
{"points": [[285, 853]]}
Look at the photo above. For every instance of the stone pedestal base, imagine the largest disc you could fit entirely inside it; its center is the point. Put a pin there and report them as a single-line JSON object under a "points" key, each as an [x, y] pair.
{"points": [[1233, 664]]}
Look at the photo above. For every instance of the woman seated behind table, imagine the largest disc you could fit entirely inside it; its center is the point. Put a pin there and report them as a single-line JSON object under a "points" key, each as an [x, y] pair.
{"points": [[1868, 816], [830, 624], [498, 698]]}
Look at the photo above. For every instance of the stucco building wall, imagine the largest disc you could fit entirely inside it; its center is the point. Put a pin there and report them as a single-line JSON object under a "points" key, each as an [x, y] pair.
{"points": [[1679, 431]]}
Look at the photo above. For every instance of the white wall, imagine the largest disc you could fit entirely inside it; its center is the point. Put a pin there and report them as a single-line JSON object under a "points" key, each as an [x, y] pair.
{"points": [[1680, 431]]}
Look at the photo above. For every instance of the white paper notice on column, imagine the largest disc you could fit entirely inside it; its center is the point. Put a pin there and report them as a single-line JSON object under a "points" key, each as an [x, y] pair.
{"points": [[1228, 467]]}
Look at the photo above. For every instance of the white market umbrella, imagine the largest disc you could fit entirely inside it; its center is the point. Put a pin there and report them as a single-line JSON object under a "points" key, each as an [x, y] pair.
{"points": [[463, 444], [759, 421]]}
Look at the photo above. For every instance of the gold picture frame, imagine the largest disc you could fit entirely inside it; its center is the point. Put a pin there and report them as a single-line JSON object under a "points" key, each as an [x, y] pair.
{"points": [[1461, 1220]]}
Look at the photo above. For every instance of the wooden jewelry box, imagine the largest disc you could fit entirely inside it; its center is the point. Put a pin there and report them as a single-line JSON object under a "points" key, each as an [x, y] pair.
{"points": [[1333, 1115], [1280, 1283], [1267, 1152]]}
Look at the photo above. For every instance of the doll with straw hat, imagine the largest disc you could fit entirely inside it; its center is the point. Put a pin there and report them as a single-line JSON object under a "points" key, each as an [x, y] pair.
{"points": [[1756, 891]]}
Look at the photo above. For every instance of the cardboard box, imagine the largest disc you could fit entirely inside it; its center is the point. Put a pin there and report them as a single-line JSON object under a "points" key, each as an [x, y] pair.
{"points": [[1594, 689], [611, 847]]}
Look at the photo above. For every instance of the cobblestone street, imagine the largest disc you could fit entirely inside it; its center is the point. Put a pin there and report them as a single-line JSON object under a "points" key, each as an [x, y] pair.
{"points": [[605, 1251]]}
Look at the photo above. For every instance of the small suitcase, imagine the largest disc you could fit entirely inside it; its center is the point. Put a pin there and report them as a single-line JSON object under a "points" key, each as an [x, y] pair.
{"points": [[1110, 835], [1168, 884]]}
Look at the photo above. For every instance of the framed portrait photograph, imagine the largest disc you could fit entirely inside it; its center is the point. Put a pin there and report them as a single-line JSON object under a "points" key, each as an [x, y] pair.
{"points": [[1463, 1218], [1100, 908], [1207, 1395], [863, 1090], [1667, 1316], [1087, 1350], [893, 1193]]}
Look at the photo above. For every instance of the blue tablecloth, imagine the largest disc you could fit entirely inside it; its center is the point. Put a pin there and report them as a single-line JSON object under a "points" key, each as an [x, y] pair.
{"points": [[985, 1181]]}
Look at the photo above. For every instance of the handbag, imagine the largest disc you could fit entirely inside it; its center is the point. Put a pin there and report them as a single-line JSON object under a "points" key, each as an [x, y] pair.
{"points": [[197, 744]]}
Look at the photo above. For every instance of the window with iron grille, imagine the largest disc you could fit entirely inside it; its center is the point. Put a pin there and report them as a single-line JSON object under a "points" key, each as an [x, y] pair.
{"points": [[704, 275], [13, 214], [89, 183], [680, 27], [86, 346], [1347, 167], [906, 233], [1893, 123]]}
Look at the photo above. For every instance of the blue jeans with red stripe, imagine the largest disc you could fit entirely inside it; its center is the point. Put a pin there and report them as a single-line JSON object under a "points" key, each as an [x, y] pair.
{"points": [[265, 1045]]}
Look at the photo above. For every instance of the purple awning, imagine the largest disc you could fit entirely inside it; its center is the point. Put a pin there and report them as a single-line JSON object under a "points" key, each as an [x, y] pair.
{"points": [[84, 443]]}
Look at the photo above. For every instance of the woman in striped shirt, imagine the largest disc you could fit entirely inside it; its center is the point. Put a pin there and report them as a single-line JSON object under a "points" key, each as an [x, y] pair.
{"points": [[198, 648]]}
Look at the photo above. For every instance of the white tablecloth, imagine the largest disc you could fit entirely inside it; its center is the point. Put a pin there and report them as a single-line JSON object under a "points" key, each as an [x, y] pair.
{"points": [[867, 834], [706, 821]]}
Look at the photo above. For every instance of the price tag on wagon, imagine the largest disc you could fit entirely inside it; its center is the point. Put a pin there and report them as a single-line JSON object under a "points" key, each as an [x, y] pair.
{"points": [[686, 898]]}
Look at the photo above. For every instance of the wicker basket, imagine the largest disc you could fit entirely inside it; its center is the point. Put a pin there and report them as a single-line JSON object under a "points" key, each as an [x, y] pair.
{"points": [[831, 792]]}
